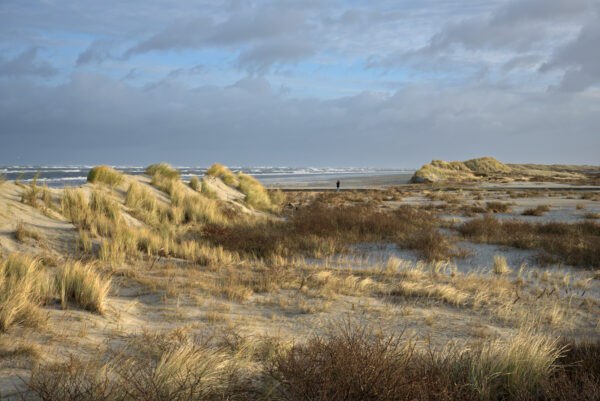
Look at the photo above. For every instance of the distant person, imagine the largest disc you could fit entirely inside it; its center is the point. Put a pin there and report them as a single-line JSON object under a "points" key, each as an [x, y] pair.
{"points": [[337, 185]]}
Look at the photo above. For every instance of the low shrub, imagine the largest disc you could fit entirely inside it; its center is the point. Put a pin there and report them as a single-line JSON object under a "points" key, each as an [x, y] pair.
{"points": [[539, 210], [576, 244]]}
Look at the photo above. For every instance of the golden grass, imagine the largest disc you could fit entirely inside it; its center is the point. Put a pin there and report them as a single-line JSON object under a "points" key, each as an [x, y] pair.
{"points": [[515, 367], [195, 183], [222, 172], [75, 208], [163, 169], [500, 266], [23, 287], [256, 194], [82, 284], [22, 233], [206, 191], [105, 175]]}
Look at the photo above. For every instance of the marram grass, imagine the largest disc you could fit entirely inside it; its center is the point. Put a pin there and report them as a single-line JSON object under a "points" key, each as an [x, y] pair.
{"points": [[106, 175], [82, 284]]}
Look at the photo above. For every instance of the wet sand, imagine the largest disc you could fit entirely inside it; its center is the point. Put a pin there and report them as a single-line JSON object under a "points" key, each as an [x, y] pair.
{"points": [[368, 182]]}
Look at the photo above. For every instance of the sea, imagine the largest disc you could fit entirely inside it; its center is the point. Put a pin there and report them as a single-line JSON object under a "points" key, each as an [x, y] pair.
{"points": [[61, 176]]}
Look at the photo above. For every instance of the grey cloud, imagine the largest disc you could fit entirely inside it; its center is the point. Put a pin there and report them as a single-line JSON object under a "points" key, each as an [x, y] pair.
{"points": [[97, 52], [579, 59], [249, 123], [195, 70], [257, 24], [512, 31], [259, 58], [188, 33], [263, 35], [27, 63]]}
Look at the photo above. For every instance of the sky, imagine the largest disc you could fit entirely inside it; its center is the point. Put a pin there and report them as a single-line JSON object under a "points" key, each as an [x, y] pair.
{"points": [[299, 82]]}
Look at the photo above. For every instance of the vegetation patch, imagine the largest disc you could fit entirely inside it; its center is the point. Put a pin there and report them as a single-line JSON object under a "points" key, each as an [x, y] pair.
{"points": [[575, 244], [222, 172], [106, 175], [23, 288], [163, 169], [82, 284]]}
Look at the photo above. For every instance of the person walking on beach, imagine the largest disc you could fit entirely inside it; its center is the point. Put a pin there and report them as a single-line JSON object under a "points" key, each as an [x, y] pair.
{"points": [[337, 185]]}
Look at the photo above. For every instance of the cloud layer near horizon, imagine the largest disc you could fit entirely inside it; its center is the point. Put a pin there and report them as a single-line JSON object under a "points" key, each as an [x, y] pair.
{"points": [[299, 82]]}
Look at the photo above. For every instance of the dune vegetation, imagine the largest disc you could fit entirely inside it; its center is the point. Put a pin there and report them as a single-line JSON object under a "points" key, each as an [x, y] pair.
{"points": [[161, 289], [490, 169], [106, 175]]}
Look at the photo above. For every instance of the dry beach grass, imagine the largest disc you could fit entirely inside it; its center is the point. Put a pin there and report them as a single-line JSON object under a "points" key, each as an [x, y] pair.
{"points": [[147, 288]]}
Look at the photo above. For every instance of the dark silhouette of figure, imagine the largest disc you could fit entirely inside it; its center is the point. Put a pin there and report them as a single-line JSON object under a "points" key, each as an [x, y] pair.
{"points": [[337, 185]]}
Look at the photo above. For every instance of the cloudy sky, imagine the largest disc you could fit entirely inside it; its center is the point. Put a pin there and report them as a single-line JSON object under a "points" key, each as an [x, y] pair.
{"points": [[299, 82]]}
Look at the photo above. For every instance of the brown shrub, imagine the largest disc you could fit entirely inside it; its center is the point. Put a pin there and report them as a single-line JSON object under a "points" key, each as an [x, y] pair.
{"points": [[497, 207], [539, 210], [571, 243]]}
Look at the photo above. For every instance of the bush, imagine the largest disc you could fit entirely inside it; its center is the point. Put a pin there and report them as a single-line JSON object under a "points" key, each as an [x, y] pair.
{"points": [[539, 210], [576, 244], [105, 175]]}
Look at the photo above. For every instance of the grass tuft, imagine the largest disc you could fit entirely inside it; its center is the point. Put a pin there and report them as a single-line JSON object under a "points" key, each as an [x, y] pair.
{"points": [[195, 183], [163, 169], [500, 266], [222, 172], [81, 284], [23, 287], [22, 233], [539, 210], [106, 175]]}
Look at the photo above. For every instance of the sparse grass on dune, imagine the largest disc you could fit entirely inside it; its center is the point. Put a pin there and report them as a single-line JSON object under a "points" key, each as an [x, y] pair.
{"points": [[222, 172], [23, 288], [163, 169], [22, 233], [75, 208], [206, 191], [2, 179], [345, 362], [82, 284], [319, 230], [156, 367], [354, 362], [256, 194], [572, 243], [195, 183], [106, 175]]}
